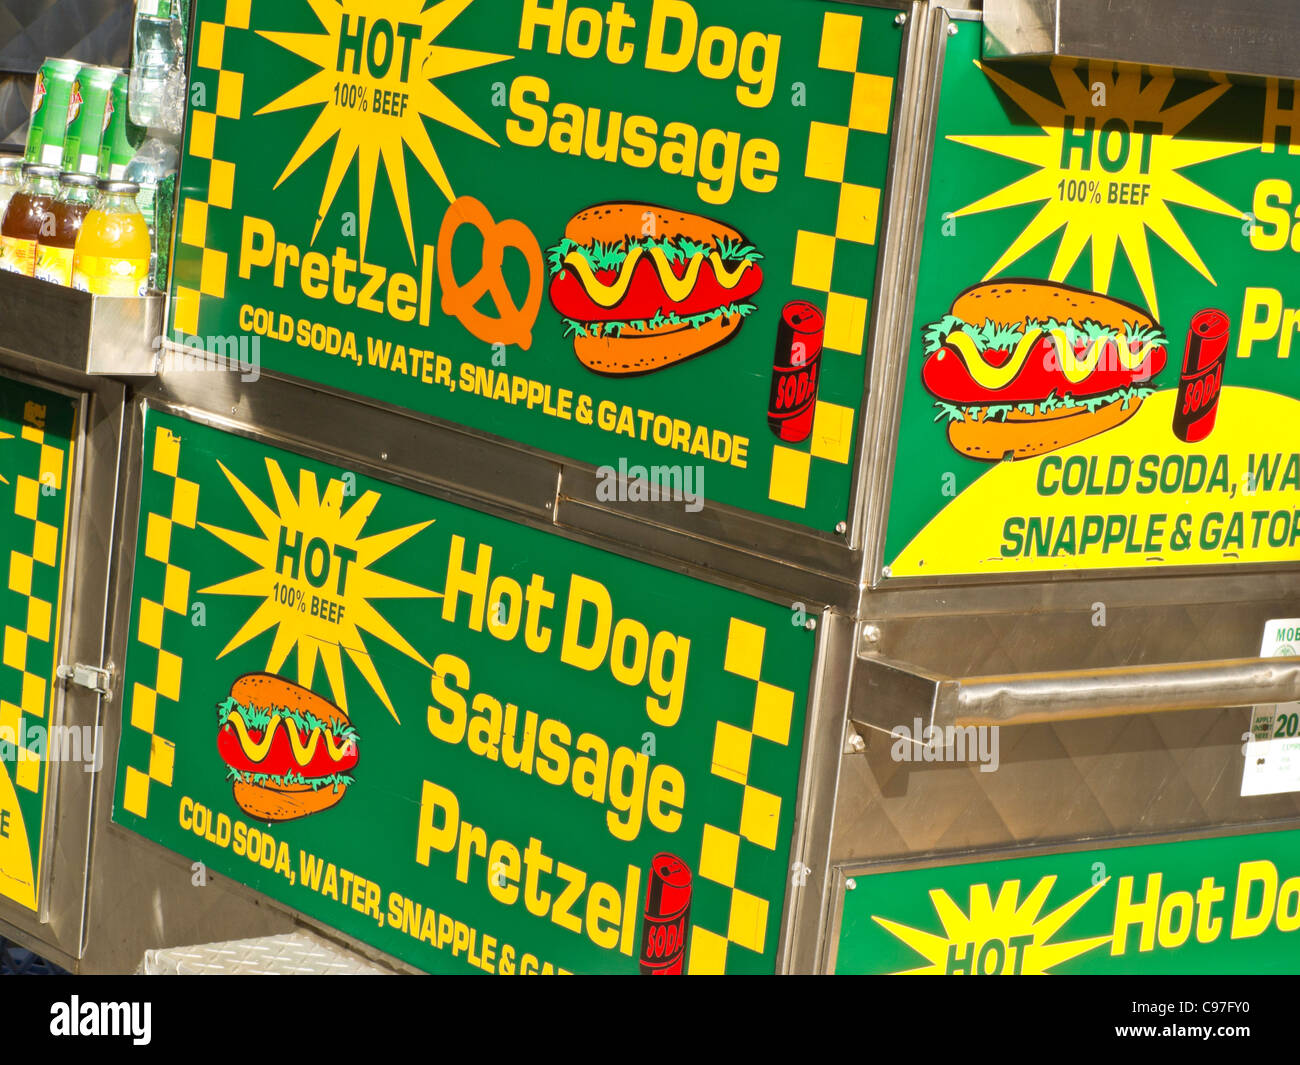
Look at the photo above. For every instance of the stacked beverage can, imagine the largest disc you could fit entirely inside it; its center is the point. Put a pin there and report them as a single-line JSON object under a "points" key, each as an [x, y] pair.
{"points": [[121, 137], [92, 92], [49, 125]]}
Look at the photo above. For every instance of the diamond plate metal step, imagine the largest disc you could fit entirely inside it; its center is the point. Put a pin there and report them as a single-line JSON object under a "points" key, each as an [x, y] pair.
{"points": [[299, 954]]}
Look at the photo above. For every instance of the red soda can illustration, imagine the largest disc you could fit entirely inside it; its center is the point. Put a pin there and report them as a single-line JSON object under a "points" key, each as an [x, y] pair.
{"points": [[1202, 380], [796, 371], [667, 917]]}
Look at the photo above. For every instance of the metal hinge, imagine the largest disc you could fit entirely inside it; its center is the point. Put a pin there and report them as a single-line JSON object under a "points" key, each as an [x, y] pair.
{"points": [[92, 678]]}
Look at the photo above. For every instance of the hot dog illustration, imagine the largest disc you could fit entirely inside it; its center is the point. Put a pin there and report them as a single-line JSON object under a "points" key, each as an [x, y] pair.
{"points": [[1022, 368]]}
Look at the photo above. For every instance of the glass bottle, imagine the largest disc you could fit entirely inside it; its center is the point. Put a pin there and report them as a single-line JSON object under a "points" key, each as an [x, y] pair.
{"points": [[153, 164], [54, 257], [11, 179], [27, 218], [112, 255]]}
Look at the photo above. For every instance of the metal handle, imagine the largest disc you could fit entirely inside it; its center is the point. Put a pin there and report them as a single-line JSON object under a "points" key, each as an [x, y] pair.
{"points": [[887, 693]]}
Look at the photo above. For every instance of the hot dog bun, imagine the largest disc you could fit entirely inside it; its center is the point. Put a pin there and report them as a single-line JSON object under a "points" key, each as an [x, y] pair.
{"points": [[615, 223], [634, 353], [287, 804], [1025, 436], [284, 802], [1026, 300]]}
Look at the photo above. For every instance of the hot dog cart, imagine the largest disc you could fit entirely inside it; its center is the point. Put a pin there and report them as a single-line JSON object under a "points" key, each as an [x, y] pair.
{"points": [[676, 487]]}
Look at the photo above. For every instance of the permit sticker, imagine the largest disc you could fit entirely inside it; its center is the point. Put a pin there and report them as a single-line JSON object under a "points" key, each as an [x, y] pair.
{"points": [[1273, 748]]}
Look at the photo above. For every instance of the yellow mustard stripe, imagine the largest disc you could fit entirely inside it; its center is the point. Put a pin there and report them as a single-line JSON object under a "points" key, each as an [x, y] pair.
{"points": [[303, 753], [677, 288]]}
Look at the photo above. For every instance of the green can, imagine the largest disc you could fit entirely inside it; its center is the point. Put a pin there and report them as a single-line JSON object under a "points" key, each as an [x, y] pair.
{"points": [[49, 125], [121, 137], [91, 93]]}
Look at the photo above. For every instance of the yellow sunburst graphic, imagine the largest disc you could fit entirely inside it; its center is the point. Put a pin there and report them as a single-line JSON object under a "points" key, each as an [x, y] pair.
{"points": [[314, 578], [376, 85], [1009, 936], [1109, 158]]}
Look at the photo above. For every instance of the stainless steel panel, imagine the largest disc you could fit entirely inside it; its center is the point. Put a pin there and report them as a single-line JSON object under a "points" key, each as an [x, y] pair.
{"points": [[1021, 27], [76, 331], [811, 876], [1171, 774], [1032, 698], [900, 259], [1151, 773], [298, 954], [1248, 37], [769, 559], [123, 336], [58, 933], [887, 692], [803, 579]]}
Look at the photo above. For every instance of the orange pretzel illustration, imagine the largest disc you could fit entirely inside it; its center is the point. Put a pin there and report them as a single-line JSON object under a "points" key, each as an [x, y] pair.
{"points": [[514, 324]]}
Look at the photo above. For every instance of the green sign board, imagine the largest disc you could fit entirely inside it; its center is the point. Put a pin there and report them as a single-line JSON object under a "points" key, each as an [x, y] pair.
{"points": [[472, 745], [644, 231], [1100, 372], [37, 437], [1229, 905]]}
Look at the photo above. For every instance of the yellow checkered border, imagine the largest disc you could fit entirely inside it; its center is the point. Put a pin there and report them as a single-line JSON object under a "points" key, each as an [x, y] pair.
{"points": [[151, 623], [38, 627], [858, 222], [208, 55], [760, 811]]}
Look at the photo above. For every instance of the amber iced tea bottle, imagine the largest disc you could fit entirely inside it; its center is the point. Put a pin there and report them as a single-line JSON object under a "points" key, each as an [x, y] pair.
{"points": [[25, 217], [59, 237]]}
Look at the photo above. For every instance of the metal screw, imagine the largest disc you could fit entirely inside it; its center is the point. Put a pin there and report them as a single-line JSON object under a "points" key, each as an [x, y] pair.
{"points": [[857, 744], [842, 528], [871, 634], [810, 624], [952, 29], [850, 884], [384, 456], [886, 572], [900, 19]]}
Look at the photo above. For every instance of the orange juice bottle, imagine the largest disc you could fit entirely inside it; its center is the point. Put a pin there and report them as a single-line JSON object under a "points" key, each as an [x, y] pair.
{"points": [[113, 248]]}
